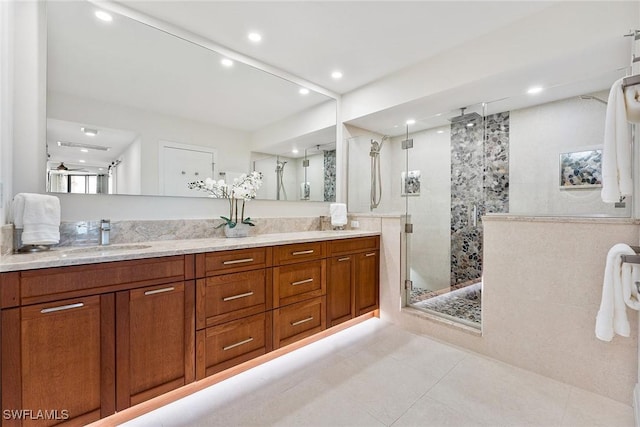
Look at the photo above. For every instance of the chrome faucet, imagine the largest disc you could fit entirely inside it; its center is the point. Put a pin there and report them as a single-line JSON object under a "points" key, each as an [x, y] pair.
{"points": [[105, 228]]}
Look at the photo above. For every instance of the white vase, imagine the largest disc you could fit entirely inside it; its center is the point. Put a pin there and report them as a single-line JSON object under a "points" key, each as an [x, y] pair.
{"points": [[240, 230]]}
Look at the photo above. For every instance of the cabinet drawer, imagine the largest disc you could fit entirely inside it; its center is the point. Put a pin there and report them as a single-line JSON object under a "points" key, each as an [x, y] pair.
{"points": [[288, 254], [298, 282], [223, 346], [297, 321], [232, 296], [214, 263], [360, 244], [68, 282]]}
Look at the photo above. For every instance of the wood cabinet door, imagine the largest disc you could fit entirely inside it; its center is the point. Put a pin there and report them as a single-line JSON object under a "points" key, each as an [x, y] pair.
{"points": [[155, 341], [366, 283], [63, 369], [340, 296]]}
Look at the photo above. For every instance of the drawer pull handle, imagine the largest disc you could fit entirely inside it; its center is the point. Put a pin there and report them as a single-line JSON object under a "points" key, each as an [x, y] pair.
{"points": [[371, 254], [300, 322], [344, 259], [307, 252], [301, 282], [159, 291], [61, 308], [237, 261], [248, 294], [229, 347]]}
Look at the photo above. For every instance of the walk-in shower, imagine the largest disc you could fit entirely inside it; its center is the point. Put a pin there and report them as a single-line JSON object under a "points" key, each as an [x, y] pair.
{"points": [[376, 177]]}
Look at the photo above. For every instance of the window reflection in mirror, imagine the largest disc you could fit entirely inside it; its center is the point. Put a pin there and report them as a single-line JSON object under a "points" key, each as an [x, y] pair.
{"points": [[117, 91]]}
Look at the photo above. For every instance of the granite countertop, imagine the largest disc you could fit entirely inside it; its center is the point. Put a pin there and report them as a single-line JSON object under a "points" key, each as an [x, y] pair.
{"points": [[78, 255]]}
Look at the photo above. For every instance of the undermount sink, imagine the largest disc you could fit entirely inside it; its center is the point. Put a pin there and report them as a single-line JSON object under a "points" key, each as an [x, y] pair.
{"points": [[106, 248]]}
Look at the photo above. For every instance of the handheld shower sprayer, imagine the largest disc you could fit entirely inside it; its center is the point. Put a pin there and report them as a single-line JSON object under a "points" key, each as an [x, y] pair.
{"points": [[376, 184]]}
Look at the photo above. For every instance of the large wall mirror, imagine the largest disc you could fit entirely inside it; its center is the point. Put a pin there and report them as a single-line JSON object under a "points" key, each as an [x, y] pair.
{"points": [[135, 110]]}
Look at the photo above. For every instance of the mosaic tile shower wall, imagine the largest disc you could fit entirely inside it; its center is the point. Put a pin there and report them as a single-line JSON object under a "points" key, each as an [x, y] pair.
{"points": [[330, 176], [480, 184]]}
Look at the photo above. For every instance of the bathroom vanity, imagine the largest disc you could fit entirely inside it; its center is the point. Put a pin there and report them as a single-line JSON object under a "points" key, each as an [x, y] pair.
{"points": [[84, 336]]}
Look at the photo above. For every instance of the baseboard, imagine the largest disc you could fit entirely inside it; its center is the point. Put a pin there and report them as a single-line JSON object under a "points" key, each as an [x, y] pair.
{"points": [[636, 404]]}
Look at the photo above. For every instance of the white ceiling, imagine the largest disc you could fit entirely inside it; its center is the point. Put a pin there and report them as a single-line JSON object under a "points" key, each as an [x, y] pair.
{"points": [[366, 40]]}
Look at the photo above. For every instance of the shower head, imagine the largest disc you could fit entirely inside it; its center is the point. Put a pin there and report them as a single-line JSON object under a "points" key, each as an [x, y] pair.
{"points": [[280, 166], [465, 118], [377, 146]]}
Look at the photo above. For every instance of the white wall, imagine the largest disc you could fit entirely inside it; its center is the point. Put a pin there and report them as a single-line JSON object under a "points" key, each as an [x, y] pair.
{"points": [[6, 105], [129, 180], [537, 137], [29, 123], [232, 145], [359, 173]]}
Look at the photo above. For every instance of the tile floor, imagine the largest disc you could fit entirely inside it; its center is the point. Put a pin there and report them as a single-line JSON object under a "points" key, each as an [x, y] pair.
{"points": [[376, 374]]}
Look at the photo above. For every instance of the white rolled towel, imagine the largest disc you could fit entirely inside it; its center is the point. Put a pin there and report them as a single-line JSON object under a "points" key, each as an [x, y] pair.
{"points": [[38, 215], [612, 316], [616, 153], [338, 213], [632, 103]]}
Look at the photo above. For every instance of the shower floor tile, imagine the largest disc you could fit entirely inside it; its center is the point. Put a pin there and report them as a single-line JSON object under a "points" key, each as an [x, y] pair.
{"points": [[464, 304]]}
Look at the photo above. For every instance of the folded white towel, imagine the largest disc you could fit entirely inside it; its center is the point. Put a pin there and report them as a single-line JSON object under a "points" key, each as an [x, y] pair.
{"points": [[338, 213], [616, 153], [612, 315], [39, 217], [632, 103]]}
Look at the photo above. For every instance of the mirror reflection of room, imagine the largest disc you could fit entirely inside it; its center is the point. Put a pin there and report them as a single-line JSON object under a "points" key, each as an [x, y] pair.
{"points": [[135, 110]]}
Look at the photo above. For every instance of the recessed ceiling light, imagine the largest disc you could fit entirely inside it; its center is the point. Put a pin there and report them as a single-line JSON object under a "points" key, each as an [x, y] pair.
{"points": [[304, 91], [294, 151], [336, 75], [226, 62], [440, 131], [254, 37], [100, 169], [89, 131], [81, 161], [411, 122], [84, 150], [103, 16], [535, 89]]}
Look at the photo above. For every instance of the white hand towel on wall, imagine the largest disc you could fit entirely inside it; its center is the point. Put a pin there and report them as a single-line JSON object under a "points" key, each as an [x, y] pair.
{"points": [[612, 315], [632, 103], [338, 213], [39, 217], [616, 153]]}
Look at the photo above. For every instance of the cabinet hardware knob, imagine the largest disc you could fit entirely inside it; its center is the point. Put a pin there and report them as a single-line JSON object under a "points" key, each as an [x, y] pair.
{"points": [[344, 259], [159, 291], [237, 261], [371, 254], [61, 308], [310, 251], [300, 322], [301, 282], [229, 347], [248, 294]]}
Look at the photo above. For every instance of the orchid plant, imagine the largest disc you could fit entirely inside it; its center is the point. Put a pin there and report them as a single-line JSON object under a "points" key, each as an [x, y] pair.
{"points": [[243, 188]]}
